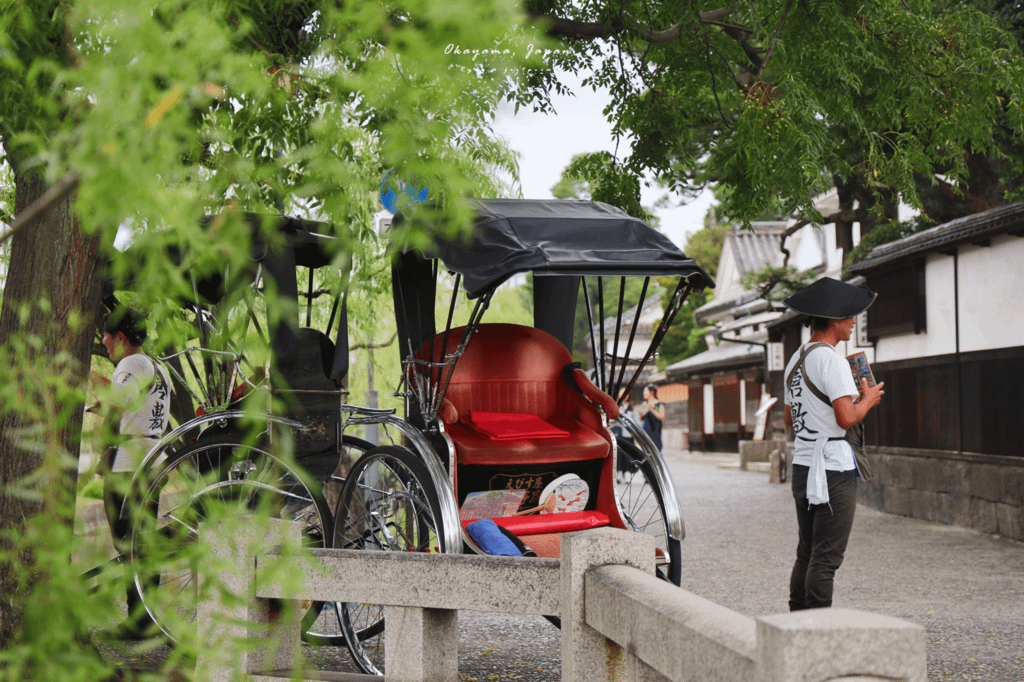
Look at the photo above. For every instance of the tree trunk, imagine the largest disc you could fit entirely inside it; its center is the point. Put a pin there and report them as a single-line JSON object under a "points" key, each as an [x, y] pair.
{"points": [[51, 260]]}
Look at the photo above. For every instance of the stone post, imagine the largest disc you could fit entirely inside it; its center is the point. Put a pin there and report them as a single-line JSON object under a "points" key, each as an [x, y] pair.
{"points": [[587, 656], [833, 644], [243, 624], [422, 644]]}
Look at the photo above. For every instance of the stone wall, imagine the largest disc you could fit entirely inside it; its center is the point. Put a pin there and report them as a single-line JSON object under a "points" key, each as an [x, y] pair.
{"points": [[984, 492]]}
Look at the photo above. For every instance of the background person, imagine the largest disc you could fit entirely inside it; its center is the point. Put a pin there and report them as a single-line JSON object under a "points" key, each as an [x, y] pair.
{"points": [[140, 396], [822, 403], [653, 412]]}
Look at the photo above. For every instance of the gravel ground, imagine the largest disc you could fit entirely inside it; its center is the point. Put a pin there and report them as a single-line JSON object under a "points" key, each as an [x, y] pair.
{"points": [[965, 588]]}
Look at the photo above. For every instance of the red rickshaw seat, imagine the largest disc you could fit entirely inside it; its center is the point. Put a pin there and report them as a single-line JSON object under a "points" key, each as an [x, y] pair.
{"points": [[516, 369]]}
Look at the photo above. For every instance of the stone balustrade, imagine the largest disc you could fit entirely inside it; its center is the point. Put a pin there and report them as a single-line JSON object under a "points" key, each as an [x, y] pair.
{"points": [[619, 621]]}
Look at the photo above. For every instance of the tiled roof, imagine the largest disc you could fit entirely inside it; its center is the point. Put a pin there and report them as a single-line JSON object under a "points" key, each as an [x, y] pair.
{"points": [[975, 227], [754, 250], [727, 355], [652, 303], [751, 251]]}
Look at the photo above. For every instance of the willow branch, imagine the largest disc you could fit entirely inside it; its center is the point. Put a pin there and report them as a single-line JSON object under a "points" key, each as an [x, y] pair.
{"points": [[375, 345]]}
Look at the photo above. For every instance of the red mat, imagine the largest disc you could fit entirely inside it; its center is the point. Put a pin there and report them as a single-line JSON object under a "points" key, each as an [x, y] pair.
{"points": [[513, 426]]}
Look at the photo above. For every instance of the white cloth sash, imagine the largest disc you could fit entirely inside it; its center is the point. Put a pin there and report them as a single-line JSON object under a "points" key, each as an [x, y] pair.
{"points": [[817, 481]]}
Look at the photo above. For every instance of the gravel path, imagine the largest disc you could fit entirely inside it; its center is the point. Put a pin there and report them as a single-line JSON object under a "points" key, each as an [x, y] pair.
{"points": [[965, 588]]}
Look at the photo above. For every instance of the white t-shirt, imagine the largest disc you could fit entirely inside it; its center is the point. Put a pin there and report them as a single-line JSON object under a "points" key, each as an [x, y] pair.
{"points": [[142, 392], [812, 418]]}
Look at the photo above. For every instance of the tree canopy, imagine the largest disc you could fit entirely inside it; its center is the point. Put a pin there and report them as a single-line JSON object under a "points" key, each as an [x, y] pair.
{"points": [[779, 101]]}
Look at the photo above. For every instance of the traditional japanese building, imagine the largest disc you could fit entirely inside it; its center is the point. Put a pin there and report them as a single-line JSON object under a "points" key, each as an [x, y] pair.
{"points": [[947, 440]]}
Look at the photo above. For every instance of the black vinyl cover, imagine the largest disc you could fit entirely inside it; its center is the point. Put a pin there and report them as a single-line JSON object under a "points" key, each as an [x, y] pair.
{"points": [[561, 237]]}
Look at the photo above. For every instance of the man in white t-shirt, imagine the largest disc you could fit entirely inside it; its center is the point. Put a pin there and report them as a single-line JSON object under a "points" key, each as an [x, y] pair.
{"points": [[140, 394], [822, 403]]}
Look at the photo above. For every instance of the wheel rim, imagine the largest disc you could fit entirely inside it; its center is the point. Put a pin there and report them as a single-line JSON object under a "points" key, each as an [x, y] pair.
{"points": [[216, 479], [323, 624], [641, 507], [384, 507]]}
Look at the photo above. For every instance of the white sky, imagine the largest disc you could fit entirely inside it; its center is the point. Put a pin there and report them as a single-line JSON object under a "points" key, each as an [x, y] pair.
{"points": [[548, 142]]}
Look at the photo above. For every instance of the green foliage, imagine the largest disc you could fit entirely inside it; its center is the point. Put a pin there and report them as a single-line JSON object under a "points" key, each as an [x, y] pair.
{"points": [[685, 338], [598, 177], [176, 110], [777, 283], [705, 246], [773, 101], [883, 234]]}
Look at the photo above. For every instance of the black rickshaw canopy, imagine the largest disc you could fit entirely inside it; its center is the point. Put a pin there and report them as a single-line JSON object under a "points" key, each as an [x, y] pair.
{"points": [[279, 244], [561, 237]]}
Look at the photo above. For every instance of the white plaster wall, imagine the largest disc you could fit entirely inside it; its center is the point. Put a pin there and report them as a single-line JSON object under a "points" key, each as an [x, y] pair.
{"points": [[637, 352], [806, 252], [939, 338], [835, 254], [992, 294], [727, 284]]}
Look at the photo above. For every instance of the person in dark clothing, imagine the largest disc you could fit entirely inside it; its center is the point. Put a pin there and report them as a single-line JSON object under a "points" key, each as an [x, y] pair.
{"points": [[653, 413], [822, 403]]}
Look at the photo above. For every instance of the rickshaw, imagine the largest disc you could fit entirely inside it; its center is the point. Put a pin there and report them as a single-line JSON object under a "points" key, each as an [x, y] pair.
{"points": [[407, 496], [219, 451]]}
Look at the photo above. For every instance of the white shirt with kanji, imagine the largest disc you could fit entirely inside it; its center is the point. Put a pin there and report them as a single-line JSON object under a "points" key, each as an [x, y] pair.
{"points": [[812, 418], [142, 393]]}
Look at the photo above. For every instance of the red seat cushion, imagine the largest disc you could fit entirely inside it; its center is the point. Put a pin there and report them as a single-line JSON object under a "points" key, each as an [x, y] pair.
{"points": [[551, 523], [474, 447], [512, 426]]}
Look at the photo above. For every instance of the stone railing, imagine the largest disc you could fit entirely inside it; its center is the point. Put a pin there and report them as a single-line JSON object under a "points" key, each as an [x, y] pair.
{"points": [[619, 622]]}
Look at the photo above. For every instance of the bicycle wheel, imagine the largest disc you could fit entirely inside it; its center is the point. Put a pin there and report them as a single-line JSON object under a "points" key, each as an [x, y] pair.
{"points": [[323, 619], [388, 504], [213, 476], [641, 504]]}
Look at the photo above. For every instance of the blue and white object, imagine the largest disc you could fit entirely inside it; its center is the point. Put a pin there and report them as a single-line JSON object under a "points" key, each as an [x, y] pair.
{"points": [[396, 194]]}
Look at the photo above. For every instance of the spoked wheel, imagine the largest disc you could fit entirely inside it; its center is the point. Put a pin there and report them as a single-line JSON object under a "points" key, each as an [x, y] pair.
{"points": [[641, 503], [214, 477], [325, 618], [388, 504]]}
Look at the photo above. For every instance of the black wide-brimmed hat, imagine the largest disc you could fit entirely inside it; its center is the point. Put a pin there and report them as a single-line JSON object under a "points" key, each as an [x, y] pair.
{"points": [[831, 299]]}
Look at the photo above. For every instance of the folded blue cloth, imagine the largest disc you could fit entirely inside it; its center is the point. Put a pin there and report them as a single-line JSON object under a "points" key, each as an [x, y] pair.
{"points": [[490, 539]]}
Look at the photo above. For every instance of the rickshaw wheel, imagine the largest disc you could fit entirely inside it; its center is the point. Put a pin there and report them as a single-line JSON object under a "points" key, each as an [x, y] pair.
{"points": [[213, 478], [642, 506], [325, 618], [388, 504]]}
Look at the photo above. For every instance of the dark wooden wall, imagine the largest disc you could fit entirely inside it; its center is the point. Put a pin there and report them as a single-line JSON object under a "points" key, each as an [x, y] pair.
{"points": [[936, 404]]}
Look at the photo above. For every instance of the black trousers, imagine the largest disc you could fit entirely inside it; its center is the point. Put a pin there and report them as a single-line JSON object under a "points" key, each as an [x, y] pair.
{"points": [[115, 486], [824, 530]]}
